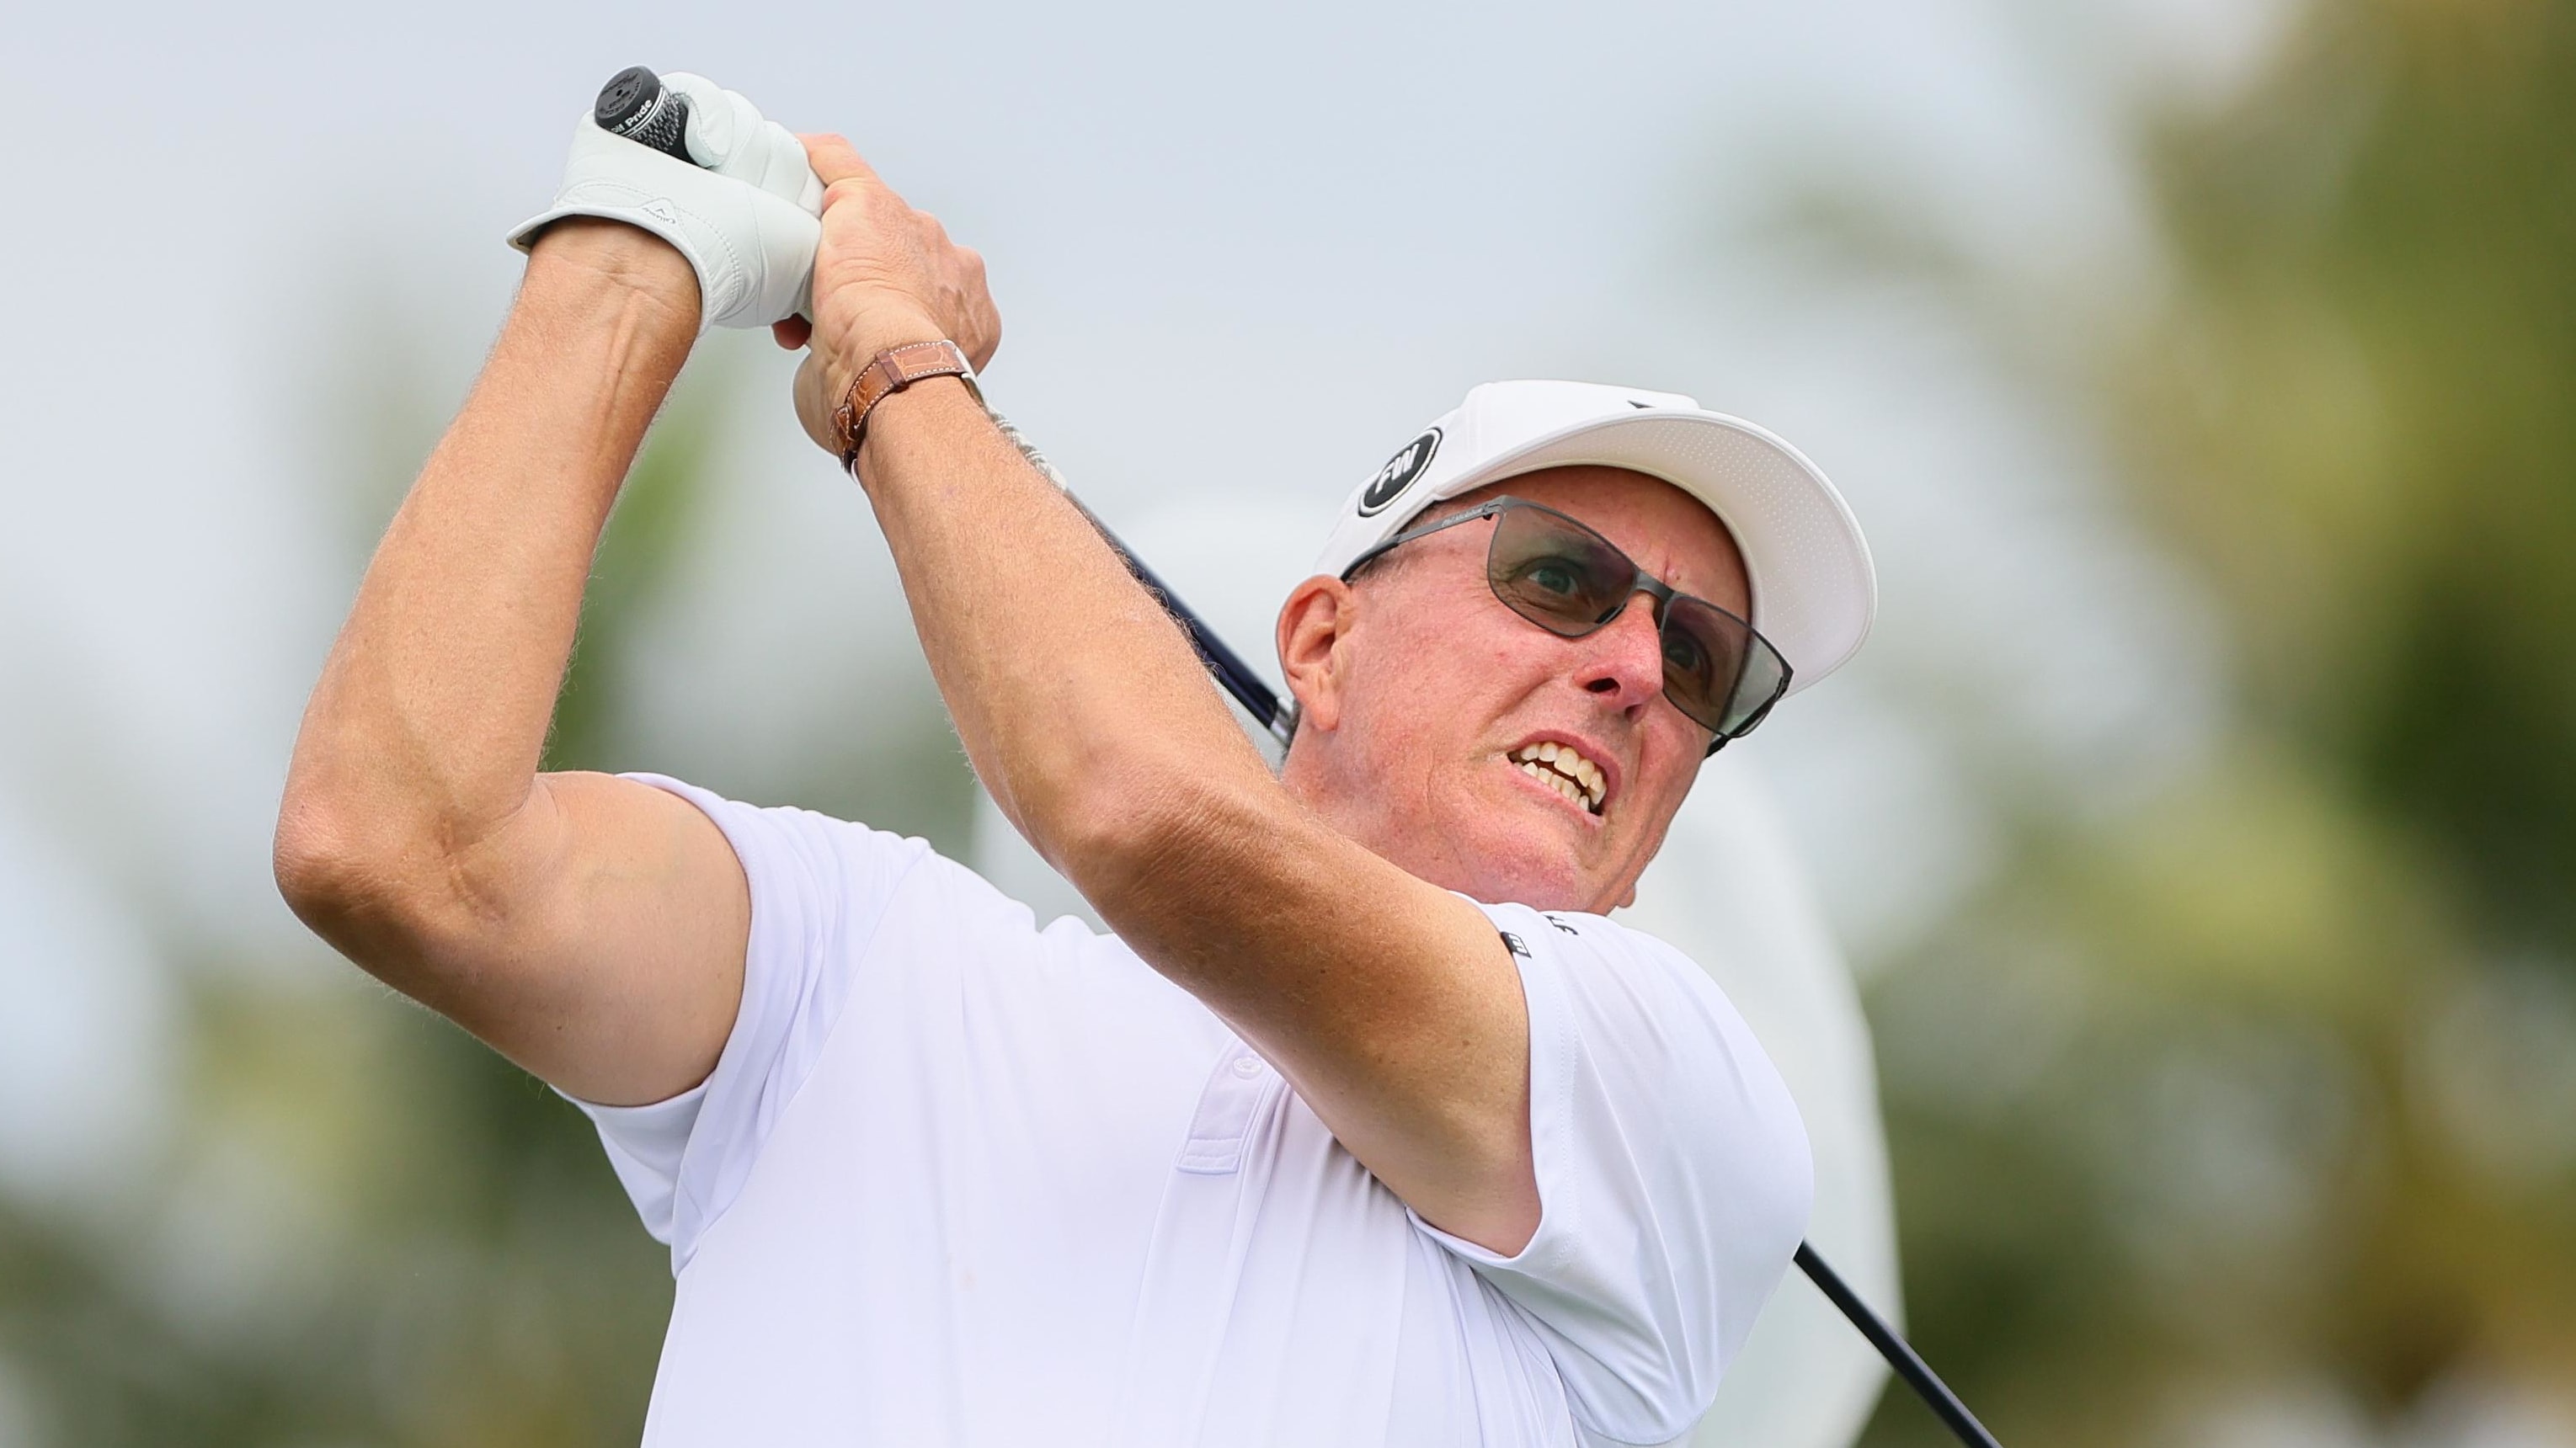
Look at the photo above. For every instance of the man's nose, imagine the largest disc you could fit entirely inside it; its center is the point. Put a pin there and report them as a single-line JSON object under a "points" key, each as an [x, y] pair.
{"points": [[1623, 660]]}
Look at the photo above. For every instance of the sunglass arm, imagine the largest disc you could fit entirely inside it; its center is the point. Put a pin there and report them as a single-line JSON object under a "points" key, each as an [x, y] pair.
{"points": [[1926, 1384]]}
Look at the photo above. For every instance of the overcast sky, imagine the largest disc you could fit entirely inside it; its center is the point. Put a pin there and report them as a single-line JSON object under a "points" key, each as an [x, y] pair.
{"points": [[1242, 254]]}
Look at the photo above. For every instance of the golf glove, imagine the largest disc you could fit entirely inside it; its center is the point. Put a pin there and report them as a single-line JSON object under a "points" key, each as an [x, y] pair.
{"points": [[744, 216]]}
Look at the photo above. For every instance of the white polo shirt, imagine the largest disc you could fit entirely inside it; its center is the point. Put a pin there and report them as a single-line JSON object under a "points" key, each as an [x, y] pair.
{"points": [[957, 1179]]}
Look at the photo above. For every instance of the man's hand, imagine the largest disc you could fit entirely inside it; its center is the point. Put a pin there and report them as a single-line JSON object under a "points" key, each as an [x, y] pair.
{"points": [[744, 215], [884, 275]]}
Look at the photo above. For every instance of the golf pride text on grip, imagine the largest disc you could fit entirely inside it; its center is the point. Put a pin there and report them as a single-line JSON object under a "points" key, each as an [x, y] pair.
{"points": [[635, 104]]}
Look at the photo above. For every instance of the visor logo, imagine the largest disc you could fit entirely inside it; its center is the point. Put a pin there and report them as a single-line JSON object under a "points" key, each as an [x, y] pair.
{"points": [[1399, 472]]}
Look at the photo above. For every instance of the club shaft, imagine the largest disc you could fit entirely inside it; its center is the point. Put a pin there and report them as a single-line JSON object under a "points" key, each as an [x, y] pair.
{"points": [[1238, 678], [1918, 1375], [1231, 671]]}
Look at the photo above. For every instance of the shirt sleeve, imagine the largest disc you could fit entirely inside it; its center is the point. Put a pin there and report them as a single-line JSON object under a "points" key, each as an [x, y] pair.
{"points": [[1673, 1174], [819, 889]]}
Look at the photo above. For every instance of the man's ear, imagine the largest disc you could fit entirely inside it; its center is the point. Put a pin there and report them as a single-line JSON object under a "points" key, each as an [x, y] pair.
{"points": [[1313, 625]]}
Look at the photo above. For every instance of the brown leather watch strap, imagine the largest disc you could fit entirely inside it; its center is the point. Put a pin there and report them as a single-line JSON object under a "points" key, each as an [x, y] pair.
{"points": [[888, 373]]}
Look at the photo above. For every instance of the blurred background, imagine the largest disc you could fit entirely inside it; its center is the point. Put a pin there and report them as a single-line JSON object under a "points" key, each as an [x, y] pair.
{"points": [[2200, 822]]}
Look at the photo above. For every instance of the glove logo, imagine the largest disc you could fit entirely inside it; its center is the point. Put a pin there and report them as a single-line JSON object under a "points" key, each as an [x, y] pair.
{"points": [[1399, 473], [661, 211]]}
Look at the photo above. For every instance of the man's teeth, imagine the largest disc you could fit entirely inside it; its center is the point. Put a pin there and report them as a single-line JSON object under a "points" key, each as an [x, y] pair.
{"points": [[1567, 771]]}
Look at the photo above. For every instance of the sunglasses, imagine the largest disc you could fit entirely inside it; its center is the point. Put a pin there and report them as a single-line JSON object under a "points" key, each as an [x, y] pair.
{"points": [[1571, 581]]}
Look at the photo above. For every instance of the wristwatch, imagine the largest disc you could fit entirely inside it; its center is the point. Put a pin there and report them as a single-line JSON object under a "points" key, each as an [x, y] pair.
{"points": [[888, 373]]}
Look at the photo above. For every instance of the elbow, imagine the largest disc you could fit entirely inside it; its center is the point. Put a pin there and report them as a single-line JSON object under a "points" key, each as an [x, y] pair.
{"points": [[1121, 835], [1107, 827], [314, 858], [329, 868], [376, 891]]}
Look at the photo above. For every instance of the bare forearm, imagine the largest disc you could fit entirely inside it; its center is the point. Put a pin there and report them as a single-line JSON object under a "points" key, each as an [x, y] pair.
{"points": [[1395, 1011], [1388, 1003], [433, 707], [1065, 677]]}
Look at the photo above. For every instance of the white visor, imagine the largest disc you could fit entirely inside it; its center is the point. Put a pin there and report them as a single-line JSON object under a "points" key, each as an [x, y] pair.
{"points": [[1814, 589]]}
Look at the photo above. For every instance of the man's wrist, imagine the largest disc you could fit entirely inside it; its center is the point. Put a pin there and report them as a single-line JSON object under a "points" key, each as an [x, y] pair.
{"points": [[887, 424], [587, 253], [886, 374]]}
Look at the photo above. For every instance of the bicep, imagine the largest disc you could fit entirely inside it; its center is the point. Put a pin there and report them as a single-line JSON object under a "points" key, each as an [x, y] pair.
{"points": [[601, 940]]}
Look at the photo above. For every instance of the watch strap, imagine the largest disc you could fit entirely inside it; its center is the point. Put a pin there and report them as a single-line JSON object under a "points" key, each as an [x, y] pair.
{"points": [[888, 373]]}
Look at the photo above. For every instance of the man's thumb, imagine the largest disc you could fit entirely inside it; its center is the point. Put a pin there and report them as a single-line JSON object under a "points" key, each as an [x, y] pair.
{"points": [[834, 159]]}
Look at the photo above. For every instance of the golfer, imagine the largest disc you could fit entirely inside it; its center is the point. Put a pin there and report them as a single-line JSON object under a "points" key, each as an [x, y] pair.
{"points": [[1365, 1128]]}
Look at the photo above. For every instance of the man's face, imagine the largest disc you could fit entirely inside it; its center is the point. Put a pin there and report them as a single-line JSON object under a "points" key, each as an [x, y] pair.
{"points": [[1423, 696]]}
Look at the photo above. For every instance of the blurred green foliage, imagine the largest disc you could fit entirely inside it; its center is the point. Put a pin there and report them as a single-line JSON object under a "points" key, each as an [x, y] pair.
{"points": [[373, 1231], [2266, 1089]]}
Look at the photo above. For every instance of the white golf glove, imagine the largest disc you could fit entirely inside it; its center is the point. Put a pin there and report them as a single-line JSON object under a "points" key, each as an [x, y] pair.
{"points": [[744, 216]]}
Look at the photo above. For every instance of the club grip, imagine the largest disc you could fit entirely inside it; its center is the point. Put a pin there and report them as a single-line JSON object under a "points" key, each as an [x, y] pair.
{"points": [[635, 104]]}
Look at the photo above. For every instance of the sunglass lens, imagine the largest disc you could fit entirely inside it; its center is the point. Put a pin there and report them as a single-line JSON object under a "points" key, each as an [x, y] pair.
{"points": [[1716, 669], [1570, 580], [1556, 574]]}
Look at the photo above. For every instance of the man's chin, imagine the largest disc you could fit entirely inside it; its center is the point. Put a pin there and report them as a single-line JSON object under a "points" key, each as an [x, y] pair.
{"points": [[1533, 867]]}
